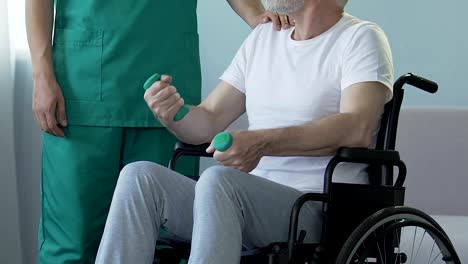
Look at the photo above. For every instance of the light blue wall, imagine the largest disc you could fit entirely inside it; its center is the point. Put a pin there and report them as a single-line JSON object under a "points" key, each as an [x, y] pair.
{"points": [[427, 37], [221, 34]]}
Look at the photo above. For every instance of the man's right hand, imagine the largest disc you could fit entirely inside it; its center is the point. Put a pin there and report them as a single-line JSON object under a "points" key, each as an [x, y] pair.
{"points": [[49, 105], [164, 100]]}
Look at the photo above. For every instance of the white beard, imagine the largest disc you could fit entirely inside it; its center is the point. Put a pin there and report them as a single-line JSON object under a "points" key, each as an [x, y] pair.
{"points": [[284, 6]]}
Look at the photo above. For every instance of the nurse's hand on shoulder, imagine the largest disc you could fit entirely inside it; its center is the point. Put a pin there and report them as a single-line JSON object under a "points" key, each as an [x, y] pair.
{"points": [[245, 152], [164, 100], [49, 105], [279, 21]]}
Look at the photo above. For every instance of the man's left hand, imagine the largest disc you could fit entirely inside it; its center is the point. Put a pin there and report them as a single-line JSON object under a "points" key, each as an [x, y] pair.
{"points": [[279, 21], [245, 152]]}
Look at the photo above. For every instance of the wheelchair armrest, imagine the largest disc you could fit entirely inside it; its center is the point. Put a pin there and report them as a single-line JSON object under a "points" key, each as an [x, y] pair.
{"points": [[369, 155], [184, 149], [192, 150], [365, 156]]}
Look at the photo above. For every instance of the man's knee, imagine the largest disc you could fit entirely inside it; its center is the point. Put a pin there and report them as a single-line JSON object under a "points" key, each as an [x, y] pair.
{"points": [[216, 178], [139, 174]]}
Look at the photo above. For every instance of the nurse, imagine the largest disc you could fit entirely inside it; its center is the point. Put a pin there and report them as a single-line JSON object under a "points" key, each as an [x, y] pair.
{"points": [[88, 99]]}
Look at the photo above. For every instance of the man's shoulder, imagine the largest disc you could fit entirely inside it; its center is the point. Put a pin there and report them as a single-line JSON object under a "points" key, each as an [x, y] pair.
{"points": [[358, 28], [263, 35], [264, 30]]}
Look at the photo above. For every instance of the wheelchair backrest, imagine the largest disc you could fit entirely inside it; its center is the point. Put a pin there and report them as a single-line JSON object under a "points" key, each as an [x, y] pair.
{"points": [[386, 138]]}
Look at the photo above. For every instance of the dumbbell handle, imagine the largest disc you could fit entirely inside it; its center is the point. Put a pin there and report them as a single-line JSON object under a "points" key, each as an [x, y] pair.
{"points": [[222, 141], [183, 111]]}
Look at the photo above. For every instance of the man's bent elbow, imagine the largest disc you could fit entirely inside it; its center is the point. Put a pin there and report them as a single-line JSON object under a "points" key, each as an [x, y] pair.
{"points": [[362, 138]]}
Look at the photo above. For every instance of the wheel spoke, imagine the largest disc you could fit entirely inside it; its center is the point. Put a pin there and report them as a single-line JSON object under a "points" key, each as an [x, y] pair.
{"points": [[397, 231], [436, 257], [378, 247], [420, 243], [399, 246], [363, 259], [432, 250], [385, 250], [412, 247]]}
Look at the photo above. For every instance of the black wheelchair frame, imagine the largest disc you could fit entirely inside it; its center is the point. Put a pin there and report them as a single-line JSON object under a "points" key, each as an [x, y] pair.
{"points": [[359, 204]]}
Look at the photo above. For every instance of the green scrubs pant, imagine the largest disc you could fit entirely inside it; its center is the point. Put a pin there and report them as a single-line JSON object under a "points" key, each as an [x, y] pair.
{"points": [[79, 174]]}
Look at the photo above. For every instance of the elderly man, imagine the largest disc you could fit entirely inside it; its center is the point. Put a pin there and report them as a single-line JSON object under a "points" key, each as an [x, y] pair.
{"points": [[307, 91]]}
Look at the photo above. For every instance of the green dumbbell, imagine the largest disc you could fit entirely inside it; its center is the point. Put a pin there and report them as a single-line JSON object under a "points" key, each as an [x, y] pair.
{"points": [[183, 110], [222, 141]]}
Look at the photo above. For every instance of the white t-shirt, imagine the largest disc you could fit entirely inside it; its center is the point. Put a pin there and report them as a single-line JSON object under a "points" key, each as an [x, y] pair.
{"points": [[290, 83]]}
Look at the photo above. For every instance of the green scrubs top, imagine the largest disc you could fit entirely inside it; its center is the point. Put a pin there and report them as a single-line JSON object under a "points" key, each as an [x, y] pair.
{"points": [[104, 51]]}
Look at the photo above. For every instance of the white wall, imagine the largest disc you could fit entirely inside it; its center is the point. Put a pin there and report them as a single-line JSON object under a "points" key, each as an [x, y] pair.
{"points": [[28, 157], [9, 226]]}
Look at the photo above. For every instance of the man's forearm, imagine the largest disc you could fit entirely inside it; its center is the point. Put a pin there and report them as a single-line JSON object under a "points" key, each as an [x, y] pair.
{"points": [[318, 138], [249, 10], [39, 24], [196, 128]]}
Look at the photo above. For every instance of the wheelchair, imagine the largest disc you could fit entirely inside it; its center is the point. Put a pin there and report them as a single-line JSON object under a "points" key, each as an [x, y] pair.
{"points": [[361, 223]]}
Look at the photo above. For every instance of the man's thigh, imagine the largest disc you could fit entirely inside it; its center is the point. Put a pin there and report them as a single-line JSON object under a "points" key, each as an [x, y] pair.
{"points": [[266, 207], [79, 174], [160, 195], [155, 145]]}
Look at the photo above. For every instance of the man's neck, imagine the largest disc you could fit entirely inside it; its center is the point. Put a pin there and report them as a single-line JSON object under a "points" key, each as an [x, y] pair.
{"points": [[315, 19]]}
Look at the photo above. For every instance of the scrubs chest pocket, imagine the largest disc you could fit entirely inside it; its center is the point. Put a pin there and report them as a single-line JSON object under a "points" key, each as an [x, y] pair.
{"points": [[77, 56]]}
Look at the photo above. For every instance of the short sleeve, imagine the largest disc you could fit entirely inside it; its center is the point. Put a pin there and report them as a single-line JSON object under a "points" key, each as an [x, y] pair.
{"points": [[236, 72], [368, 58]]}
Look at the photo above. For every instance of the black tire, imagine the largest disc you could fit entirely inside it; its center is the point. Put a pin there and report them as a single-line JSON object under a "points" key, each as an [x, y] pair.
{"points": [[391, 215]]}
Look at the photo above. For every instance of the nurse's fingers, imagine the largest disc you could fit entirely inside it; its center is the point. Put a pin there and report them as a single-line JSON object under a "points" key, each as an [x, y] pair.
{"points": [[270, 16], [41, 123], [292, 22], [262, 19], [45, 124], [52, 124], [61, 112], [285, 21], [276, 20]]}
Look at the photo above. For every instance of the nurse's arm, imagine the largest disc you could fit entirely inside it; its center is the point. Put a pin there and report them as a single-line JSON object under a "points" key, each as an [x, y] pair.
{"points": [[253, 13], [48, 102], [222, 107], [39, 23]]}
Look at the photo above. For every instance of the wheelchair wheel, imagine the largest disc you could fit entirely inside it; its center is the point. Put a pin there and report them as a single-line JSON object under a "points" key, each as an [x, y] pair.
{"points": [[398, 235]]}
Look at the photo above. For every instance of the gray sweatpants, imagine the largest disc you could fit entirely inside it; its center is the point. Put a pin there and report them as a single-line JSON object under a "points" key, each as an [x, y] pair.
{"points": [[225, 211]]}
